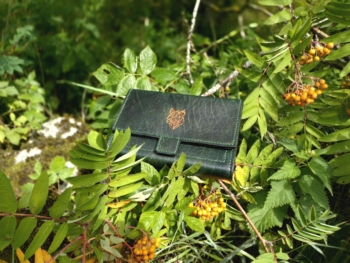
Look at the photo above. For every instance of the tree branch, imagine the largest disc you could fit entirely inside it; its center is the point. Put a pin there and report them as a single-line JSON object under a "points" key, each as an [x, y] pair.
{"points": [[227, 81], [189, 41], [263, 241]]}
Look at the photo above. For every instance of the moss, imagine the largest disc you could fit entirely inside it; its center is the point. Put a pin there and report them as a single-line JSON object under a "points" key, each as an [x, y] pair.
{"points": [[51, 147], [19, 173]]}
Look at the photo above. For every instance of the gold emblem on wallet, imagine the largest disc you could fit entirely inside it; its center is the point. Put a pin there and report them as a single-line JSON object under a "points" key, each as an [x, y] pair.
{"points": [[176, 118]]}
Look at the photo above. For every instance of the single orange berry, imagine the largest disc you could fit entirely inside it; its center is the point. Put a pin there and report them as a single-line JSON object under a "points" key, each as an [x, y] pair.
{"points": [[326, 51], [316, 58], [312, 51], [330, 45]]}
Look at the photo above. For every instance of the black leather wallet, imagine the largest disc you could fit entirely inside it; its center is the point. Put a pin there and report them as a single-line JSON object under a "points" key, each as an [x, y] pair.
{"points": [[167, 124]]}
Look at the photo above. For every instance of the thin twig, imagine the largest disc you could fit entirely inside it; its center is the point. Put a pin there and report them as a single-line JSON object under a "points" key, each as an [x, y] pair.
{"points": [[263, 241], [189, 41], [241, 25], [224, 83]]}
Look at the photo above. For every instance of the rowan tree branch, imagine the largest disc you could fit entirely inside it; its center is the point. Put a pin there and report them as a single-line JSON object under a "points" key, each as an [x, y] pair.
{"points": [[189, 41], [226, 82], [263, 241]]}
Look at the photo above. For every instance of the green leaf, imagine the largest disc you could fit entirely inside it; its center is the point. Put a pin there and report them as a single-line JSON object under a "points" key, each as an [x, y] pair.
{"points": [[148, 60], [253, 152], [197, 86], [281, 193], [81, 154], [96, 140], [57, 164], [177, 167], [24, 229], [39, 239], [291, 119], [109, 74], [340, 53], [279, 17], [130, 60], [89, 164], [127, 83], [255, 58], [126, 180], [288, 171], [339, 135], [61, 204], [153, 176], [143, 83], [7, 193], [89, 149], [313, 187], [125, 190], [338, 38], [7, 231], [59, 237], [250, 122], [163, 75], [195, 224], [265, 218], [301, 46], [39, 194], [336, 148], [242, 152], [283, 63], [345, 70], [322, 170], [262, 123], [26, 191], [13, 136], [275, 2], [299, 33], [340, 10], [337, 19], [87, 179], [120, 140], [342, 169], [147, 219]]}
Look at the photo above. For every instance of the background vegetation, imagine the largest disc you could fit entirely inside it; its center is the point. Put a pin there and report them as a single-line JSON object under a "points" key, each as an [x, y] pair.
{"points": [[288, 61]]}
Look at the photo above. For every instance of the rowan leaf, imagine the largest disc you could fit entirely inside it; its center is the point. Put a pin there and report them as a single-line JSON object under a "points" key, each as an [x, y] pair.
{"points": [[24, 229], [7, 231], [59, 237], [312, 186], [39, 194], [61, 204], [7, 193], [39, 239]]}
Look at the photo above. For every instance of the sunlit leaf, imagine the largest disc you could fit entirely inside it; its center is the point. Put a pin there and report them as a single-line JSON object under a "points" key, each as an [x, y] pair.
{"points": [[39, 239], [24, 229], [39, 194], [7, 193]]}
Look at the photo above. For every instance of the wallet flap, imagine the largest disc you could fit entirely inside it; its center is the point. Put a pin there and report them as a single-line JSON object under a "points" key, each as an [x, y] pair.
{"points": [[168, 146], [175, 118]]}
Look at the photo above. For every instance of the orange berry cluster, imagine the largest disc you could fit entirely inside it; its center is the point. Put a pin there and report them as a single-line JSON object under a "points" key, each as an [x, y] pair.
{"points": [[145, 249], [207, 209], [307, 94], [345, 84], [315, 54]]}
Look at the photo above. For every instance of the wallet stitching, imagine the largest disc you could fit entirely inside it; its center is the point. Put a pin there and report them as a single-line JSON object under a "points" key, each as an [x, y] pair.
{"points": [[187, 140], [162, 151], [194, 157]]}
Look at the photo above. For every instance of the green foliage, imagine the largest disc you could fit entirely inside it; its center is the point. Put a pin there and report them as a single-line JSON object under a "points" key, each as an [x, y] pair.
{"points": [[21, 108], [291, 162]]}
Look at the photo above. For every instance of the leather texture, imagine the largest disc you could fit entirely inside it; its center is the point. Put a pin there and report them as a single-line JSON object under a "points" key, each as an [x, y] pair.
{"points": [[167, 124]]}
